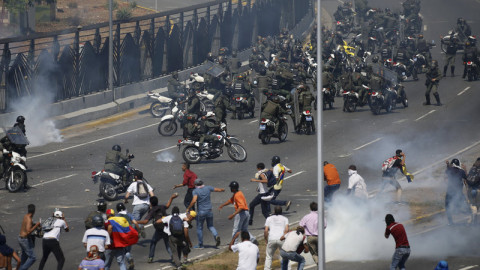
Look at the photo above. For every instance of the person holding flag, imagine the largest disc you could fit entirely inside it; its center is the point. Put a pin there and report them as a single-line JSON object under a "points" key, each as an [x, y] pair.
{"points": [[122, 235]]}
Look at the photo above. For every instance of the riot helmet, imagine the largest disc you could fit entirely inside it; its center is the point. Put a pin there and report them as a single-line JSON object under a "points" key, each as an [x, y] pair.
{"points": [[97, 221], [20, 119], [117, 147], [102, 206], [275, 160], [234, 185], [455, 162], [121, 207]]}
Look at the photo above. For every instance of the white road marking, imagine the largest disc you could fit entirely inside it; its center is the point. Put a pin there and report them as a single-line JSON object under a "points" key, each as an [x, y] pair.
{"points": [[423, 116], [468, 267], [399, 121], [345, 155], [54, 180], [173, 146], [253, 121], [90, 142], [425, 28], [360, 147], [463, 91]]}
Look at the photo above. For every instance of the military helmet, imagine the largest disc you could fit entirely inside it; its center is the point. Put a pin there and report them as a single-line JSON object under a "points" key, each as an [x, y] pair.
{"points": [[20, 119], [117, 147], [234, 185], [102, 206], [375, 59], [175, 75], [97, 221], [455, 161], [121, 207]]}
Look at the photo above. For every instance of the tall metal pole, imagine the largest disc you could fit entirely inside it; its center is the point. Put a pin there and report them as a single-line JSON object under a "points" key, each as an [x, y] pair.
{"points": [[321, 214], [110, 49]]}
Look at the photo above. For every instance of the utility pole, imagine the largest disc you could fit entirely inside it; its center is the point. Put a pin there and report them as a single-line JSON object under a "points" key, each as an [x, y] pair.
{"points": [[110, 49]]}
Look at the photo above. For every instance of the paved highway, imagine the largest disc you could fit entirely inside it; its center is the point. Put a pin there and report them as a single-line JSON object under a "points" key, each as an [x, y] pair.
{"points": [[60, 172]]}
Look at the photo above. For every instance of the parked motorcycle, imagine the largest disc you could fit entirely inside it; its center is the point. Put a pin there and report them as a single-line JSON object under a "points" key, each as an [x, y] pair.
{"points": [[111, 184], [193, 153], [350, 100], [15, 171]]}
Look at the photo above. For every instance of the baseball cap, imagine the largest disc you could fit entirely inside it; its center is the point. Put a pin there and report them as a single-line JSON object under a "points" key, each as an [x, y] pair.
{"points": [[58, 214], [110, 212], [193, 213], [198, 182]]}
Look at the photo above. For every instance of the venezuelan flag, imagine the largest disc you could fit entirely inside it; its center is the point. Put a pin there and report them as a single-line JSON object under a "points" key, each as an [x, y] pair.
{"points": [[123, 234]]}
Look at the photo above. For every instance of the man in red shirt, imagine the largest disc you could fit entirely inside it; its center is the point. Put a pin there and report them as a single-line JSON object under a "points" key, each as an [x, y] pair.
{"points": [[402, 247], [188, 180]]}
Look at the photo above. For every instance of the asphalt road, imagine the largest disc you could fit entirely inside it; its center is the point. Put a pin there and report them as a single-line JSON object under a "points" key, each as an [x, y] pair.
{"points": [[60, 172]]}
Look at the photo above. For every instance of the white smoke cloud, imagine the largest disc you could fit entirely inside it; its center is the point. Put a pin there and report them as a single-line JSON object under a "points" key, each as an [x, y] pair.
{"points": [[165, 157]]}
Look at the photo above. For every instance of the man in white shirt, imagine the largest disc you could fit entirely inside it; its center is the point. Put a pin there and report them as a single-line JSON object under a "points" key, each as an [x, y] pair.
{"points": [[356, 184], [275, 227], [141, 197], [248, 253], [97, 236], [292, 247], [50, 242], [262, 190]]}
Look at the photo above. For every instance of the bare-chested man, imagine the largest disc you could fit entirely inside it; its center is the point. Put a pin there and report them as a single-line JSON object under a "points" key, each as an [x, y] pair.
{"points": [[25, 239]]}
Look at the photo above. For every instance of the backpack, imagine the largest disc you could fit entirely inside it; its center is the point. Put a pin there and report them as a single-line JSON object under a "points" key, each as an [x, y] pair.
{"points": [[473, 178], [142, 190], [271, 178], [388, 163], [176, 225], [48, 224]]}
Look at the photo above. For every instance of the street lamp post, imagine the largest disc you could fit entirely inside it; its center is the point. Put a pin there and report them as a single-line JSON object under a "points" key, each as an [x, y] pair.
{"points": [[110, 49]]}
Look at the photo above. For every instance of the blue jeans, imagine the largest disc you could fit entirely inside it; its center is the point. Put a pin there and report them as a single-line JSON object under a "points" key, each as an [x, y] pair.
{"points": [[118, 254], [277, 202], [157, 235], [399, 258], [140, 210], [329, 190], [240, 222], [28, 254], [263, 204], [201, 217], [292, 256]]}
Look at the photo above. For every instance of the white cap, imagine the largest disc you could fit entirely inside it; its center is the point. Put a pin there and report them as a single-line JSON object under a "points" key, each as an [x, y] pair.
{"points": [[58, 214]]}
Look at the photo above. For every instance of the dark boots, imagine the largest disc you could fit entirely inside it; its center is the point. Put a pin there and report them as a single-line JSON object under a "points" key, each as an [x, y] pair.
{"points": [[437, 98], [452, 69], [427, 98], [445, 71]]}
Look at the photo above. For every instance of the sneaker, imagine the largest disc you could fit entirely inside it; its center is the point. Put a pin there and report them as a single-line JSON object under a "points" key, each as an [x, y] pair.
{"points": [[288, 205], [131, 265], [198, 247], [217, 241], [150, 260]]}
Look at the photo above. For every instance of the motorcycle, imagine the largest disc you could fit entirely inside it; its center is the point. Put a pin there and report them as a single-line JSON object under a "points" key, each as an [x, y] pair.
{"points": [[328, 98], [193, 153], [267, 130], [160, 106], [379, 101], [400, 97], [472, 71], [445, 41], [241, 105], [306, 125], [15, 171], [350, 100], [111, 184], [168, 124], [206, 101]]}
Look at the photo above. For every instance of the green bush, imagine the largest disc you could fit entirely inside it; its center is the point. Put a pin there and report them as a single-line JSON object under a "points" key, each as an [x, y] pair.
{"points": [[72, 4], [114, 4], [124, 14], [133, 4]]}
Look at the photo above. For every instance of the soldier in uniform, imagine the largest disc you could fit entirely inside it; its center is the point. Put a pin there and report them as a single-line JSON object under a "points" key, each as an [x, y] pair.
{"points": [[234, 64], [272, 110], [242, 88], [433, 78], [450, 54], [221, 105], [115, 162], [424, 49], [204, 129], [305, 99], [264, 82], [470, 54], [193, 103], [174, 87]]}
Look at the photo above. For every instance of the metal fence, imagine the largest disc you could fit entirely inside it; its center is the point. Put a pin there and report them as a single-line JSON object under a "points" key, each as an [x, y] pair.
{"points": [[74, 62]]}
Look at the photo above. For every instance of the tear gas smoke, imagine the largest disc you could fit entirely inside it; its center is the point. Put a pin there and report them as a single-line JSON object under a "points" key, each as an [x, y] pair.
{"points": [[165, 157]]}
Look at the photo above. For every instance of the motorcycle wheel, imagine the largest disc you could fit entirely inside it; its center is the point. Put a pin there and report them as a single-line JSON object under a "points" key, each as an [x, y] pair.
{"points": [[237, 153], [16, 180], [470, 76], [191, 155], [167, 127], [444, 47], [108, 191], [158, 109], [405, 102], [265, 138], [283, 132], [350, 106]]}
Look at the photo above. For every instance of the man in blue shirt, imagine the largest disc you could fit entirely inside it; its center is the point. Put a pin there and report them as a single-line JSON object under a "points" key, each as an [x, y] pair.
{"points": [[201, 196]]}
